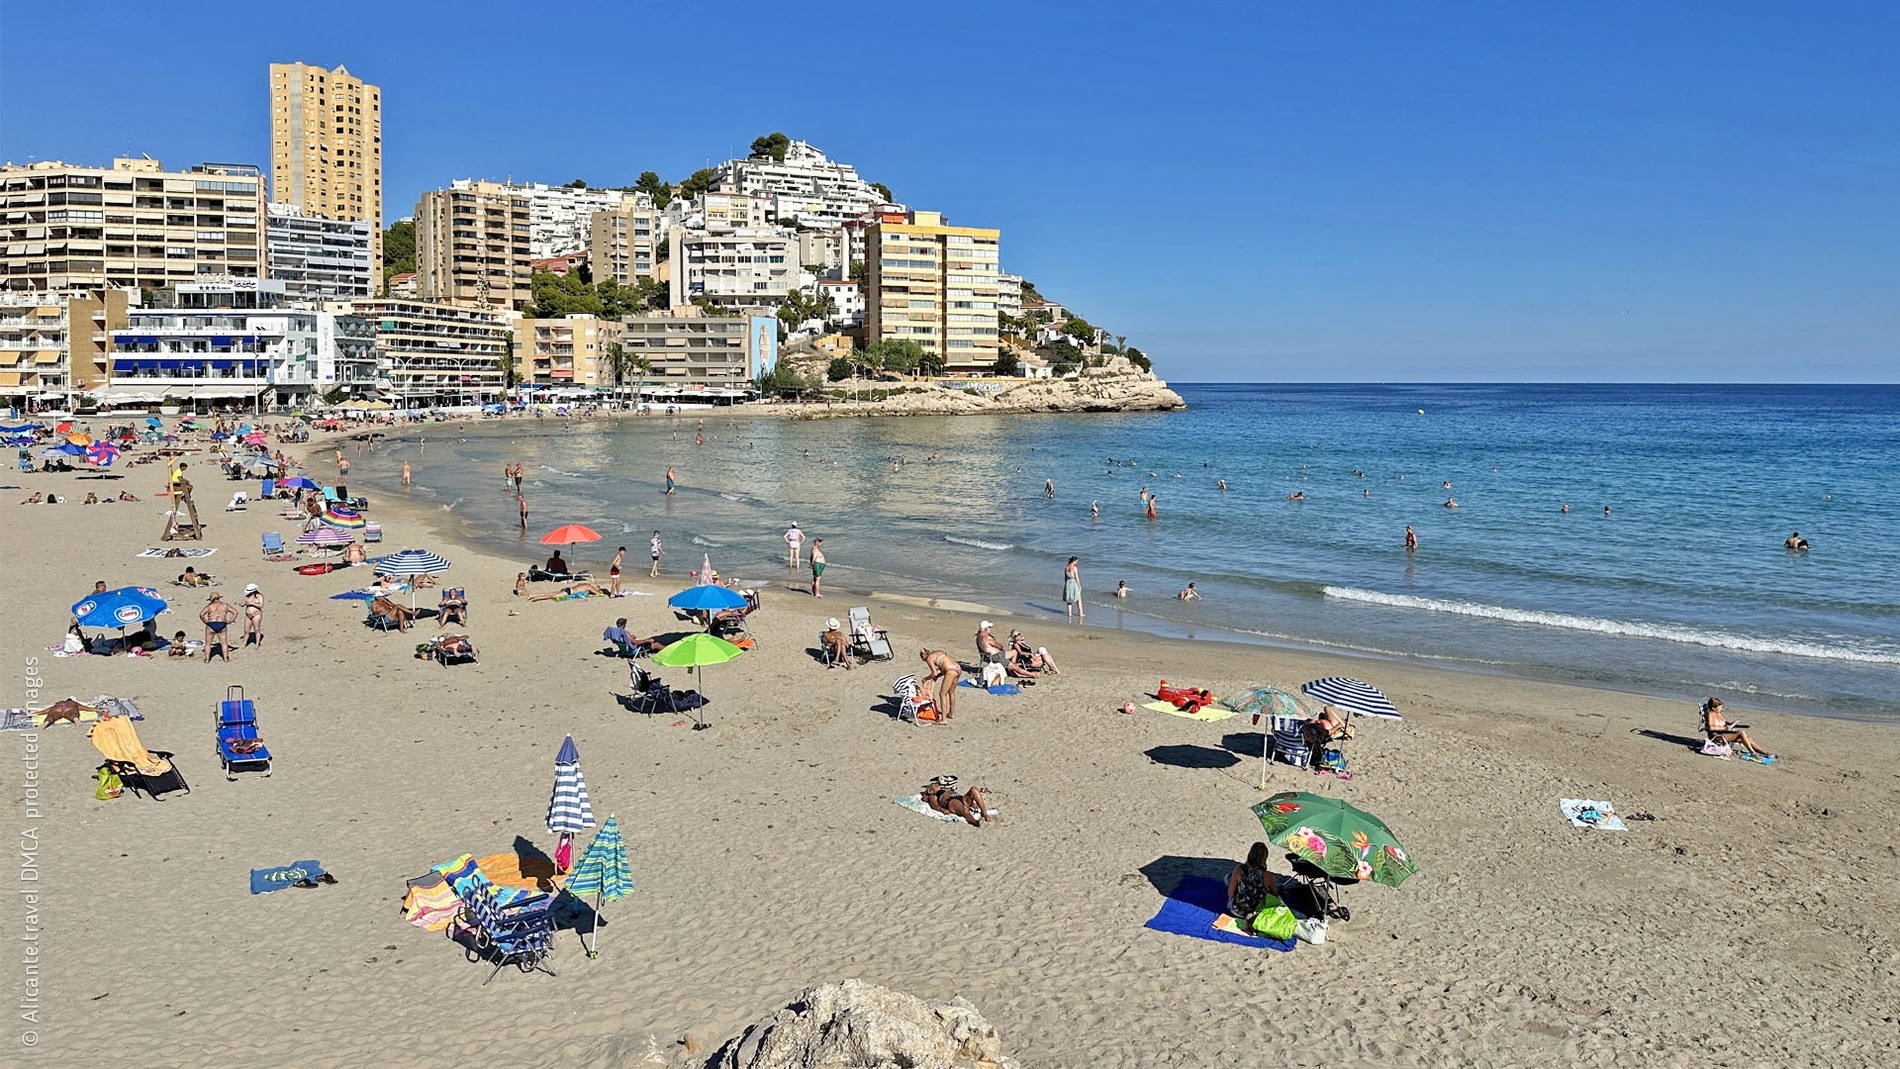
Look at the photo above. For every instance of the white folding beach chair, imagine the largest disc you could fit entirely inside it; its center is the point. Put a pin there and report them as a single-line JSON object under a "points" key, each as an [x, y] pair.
{"points": [[871, 641]]}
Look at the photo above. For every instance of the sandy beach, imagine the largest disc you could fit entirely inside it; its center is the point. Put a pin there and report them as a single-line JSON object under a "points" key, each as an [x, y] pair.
{"points": [[1749, 924]]}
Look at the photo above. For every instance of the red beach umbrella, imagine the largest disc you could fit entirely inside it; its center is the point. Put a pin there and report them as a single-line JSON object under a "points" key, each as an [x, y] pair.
{"points": [[568, 534]]}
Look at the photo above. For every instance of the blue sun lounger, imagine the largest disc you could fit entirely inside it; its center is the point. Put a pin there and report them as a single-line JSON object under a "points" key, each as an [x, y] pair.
{"points": [[240, 748]]}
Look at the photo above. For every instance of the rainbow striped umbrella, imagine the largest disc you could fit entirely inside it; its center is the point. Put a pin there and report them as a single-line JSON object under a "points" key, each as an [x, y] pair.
{"points": [[344, 516]]}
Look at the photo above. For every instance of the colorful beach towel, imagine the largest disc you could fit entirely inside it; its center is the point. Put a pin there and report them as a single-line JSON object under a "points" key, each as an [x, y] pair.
{"points": [[16, 720], [1209, 713], [1587, 813], [278, 877], [915, 803], [430, 903], [1195, 908]]}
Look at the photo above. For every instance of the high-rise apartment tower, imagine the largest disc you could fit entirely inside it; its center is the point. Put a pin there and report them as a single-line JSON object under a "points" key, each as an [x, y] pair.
{"points": [[326, 155]]}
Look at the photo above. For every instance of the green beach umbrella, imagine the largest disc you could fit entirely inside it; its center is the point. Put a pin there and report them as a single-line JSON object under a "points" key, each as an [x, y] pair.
{"points": [[696, 651], [1266, 703], [603, 873], [1339, 839]]}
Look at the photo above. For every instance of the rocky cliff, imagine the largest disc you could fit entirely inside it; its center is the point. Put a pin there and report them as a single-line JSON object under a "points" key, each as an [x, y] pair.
{"points": [[1124, 392]]}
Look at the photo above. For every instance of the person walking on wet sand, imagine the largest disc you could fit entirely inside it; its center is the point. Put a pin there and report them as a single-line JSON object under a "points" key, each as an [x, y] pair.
{"points": [[656, 550], [669, 482], [817, 566], [1072, 591]]}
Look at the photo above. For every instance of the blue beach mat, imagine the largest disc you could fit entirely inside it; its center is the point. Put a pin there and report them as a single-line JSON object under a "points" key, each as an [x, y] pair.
{"points": [[1193, 907], [1000, 688], [276, 878]]}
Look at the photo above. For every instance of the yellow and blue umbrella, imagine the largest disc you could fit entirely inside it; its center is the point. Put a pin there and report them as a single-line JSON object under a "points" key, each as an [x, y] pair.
{"points": [[603, 873]]}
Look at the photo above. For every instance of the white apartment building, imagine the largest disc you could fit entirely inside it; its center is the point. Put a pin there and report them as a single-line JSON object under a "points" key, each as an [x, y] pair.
{"points": [[436, 353], [736, 269], [55, 343], [132, 225], [823, 249], [847, 299], [318, 259], [561, 219], [719, 213], [806, 188], [1009, 295], [236, 340]]}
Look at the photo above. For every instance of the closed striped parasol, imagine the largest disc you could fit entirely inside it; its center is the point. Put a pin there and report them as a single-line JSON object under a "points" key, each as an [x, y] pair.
{"points": [[569, 810], [603, 873], [1351, 694]]}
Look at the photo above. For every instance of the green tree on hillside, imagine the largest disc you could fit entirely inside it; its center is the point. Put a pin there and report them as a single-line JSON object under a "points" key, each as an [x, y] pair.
{"points": [[895, 354], [773, 144], [1008, 364], [696, 183], [653, 186], [399, 248], [578, 183], [884, 191], [560, 295]]}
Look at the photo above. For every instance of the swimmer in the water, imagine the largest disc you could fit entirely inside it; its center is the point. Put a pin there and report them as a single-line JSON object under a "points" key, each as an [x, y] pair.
{"points": [[1121, 588], [1795, 542], [1221, 484], [1298, 496], [1451, 503], [1447, 484], [1411, 539], [1606, 510], [1566, 509], [1095, 510]]}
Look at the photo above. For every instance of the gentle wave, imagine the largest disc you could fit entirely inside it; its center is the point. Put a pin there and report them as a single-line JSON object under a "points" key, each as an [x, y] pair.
{"points": [[979, 543], [733, 497], [1715, 639], [558, 471], [700, 540]]}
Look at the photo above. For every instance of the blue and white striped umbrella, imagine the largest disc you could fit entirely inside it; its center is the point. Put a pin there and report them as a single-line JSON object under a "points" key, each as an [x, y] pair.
{"points": [[568, 808], [1351, 694], [412, 562]]}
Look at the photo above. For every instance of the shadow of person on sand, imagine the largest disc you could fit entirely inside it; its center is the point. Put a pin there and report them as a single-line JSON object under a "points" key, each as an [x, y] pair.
{"points": [[1664, 736], [1182, 756]]}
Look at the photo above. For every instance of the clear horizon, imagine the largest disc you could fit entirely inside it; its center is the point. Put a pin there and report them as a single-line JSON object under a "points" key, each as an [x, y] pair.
{"points": [[1483, 193]]}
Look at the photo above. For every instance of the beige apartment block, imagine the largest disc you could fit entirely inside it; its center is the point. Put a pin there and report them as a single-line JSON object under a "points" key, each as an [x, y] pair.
{"points": [[935, 285], [473, 245], [574, 350], [624, 243], [326, 130], [434, 353], [133, 225], [57, 343]]}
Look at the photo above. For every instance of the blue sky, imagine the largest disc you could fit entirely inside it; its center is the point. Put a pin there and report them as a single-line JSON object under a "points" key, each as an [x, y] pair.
{"points": [[1602, 191]]}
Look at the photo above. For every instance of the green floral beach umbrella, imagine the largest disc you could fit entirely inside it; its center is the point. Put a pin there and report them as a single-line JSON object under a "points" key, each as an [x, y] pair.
{"points": [[1337, 838], [603, 873]]}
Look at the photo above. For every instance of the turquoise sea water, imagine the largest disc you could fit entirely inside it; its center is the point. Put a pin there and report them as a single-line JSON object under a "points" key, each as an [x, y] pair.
{"points": [[1683, 589]]}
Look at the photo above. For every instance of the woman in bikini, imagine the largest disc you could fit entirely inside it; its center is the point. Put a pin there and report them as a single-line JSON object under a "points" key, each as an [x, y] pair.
{"points": [[1722, 729], [940, 794], [613, 571]]}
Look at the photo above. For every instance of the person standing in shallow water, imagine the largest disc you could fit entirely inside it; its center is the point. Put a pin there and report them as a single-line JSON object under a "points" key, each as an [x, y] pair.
{"points": [[1411, 539], [1072, 591]]}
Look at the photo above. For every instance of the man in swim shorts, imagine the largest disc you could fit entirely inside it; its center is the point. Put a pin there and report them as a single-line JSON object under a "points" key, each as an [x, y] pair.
{"points": [[817, 566]]}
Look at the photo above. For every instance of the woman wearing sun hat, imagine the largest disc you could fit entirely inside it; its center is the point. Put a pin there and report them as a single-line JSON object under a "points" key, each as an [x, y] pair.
{"points": [[253, 615]]}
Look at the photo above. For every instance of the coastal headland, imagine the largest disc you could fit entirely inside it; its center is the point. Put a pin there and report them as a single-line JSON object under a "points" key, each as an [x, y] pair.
{"points": [[1745, 925]]}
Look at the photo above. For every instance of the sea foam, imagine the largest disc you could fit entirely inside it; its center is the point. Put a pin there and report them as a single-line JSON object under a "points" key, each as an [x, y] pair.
{"points": [[979, 543], [1632, 629]]}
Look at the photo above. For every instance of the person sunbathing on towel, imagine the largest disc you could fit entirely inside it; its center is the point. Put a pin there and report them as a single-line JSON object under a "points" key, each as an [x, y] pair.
{"points": [[382, 606], [940, 794], [578, 590], [454, 645], [194, 577]]}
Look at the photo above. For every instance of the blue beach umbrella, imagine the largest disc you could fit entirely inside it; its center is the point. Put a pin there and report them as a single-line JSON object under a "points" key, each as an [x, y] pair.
{"points": [[123, 607], [603, 873], [706, 598], [412, 562], [297, 482]]}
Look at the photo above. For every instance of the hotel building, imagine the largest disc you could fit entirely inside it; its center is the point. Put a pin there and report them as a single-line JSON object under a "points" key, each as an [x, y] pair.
{"points": [[326, 157], [434, 353], [934, 284]]}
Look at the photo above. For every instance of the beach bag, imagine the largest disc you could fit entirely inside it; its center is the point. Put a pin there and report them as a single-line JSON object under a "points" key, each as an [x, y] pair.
{"points": [[1332, 761], [110, 786], [1716, 748], [1274, 920], [927, 710]]}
